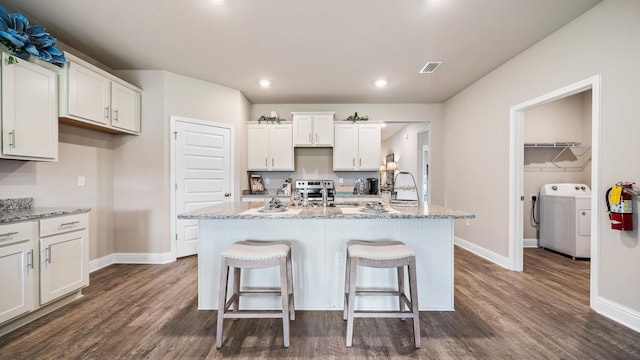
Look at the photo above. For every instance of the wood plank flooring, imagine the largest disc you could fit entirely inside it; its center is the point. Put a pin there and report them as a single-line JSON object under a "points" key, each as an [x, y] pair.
{"points": [[149, 312]]}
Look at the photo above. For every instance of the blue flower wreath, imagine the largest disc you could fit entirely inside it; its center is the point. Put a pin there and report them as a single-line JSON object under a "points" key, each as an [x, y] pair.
{"points": [[24, 40]]}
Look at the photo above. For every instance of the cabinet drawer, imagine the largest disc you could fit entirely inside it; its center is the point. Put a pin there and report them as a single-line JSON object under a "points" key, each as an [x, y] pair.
{"points": [[16, 232], [63, 224]]}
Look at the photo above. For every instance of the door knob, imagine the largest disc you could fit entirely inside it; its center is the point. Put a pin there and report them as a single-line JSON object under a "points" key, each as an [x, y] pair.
{"points": [[227, 194]]}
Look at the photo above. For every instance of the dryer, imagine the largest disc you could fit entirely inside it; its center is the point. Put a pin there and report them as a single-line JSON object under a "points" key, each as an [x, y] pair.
{"points": [[565, 219]]}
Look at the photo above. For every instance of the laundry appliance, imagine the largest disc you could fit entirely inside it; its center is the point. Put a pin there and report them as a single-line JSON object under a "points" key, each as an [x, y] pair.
{"points": [[565, 219]]}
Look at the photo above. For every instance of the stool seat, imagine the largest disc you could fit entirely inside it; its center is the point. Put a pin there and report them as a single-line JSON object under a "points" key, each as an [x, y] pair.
{"points": [[254, 254], [379, 250], [381, 254], [253, 250]]}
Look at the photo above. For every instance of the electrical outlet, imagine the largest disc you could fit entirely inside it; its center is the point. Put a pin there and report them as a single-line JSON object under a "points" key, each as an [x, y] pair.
{"points": [[533, 197], [340, 181], [338, 258], [267, 181]]}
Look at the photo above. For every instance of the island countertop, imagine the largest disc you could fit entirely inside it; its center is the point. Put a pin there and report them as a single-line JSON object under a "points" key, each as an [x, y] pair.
{"points": [[251, 210]]}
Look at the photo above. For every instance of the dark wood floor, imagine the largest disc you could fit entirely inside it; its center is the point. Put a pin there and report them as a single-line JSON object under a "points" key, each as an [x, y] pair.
{"points": [[149, 311]]}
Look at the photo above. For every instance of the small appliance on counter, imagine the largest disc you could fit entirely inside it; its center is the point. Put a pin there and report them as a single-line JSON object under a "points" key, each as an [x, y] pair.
{"points": [[313, 189], [372, 186]]}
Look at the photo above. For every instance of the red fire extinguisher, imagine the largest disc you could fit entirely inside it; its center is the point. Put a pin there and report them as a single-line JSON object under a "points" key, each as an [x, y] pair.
{"points": [[620, 206]]}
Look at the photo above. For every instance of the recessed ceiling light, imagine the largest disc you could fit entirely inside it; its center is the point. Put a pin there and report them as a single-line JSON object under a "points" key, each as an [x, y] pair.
{"points": [[381, 83], [430, 67], [265, 83]]}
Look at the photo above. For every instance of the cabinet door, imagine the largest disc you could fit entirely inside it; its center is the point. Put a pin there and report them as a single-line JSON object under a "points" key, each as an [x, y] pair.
{"points": [[323, 130], [345, 149], [63, 267], [281, 147], [89, 94], [16, 280], [257, 147], [29, 111], [125, 104], [369, 137], [303, 130]]}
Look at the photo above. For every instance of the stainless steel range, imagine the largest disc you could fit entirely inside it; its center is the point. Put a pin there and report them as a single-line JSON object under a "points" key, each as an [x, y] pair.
{"points": [[314, 189]]}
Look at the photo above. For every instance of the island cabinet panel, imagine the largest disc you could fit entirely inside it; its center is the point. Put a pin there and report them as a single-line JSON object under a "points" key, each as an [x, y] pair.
{"points": [[29, 110], [319, 250]]}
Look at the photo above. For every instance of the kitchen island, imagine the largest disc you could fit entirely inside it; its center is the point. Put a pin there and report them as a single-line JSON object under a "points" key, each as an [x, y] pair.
{"points": [[318, 243]]}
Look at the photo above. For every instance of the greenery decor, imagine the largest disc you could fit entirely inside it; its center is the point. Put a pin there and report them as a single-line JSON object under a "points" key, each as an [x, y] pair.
{"points": [[355, 118], [270, 119]]}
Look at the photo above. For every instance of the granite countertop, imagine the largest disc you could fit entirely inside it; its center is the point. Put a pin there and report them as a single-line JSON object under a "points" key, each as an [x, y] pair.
{"points": [[14, 210], [251, 210]]}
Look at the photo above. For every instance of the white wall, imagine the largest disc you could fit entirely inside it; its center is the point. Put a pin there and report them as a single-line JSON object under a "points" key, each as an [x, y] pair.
{"points": [[601, 41]]}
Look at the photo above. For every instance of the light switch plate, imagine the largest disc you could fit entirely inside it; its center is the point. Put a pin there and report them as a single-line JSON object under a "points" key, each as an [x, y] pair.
{"points": [[81, 180]]}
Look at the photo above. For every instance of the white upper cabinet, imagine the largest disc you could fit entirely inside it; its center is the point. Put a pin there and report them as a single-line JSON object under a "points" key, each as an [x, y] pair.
{"points": [[29, 110], [270, 147], [357, 147], [92, 97], [313, 129]]}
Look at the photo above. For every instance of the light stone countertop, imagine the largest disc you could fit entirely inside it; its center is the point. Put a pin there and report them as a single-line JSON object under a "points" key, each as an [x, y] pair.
{"points": [[250, 210], [14, 210]]}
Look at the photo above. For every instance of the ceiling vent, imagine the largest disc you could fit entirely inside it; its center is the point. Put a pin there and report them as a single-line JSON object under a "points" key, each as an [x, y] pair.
{"points": [[430, 67]]}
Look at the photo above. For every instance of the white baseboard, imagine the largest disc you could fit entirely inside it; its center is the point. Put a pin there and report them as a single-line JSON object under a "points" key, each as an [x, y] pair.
{"points": [[482, 252], [130, 258], [530, 243], [618, 313]]}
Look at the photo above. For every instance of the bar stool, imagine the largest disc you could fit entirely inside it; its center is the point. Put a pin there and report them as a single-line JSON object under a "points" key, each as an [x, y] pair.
{"points": [[253, 254], [381, 254]]}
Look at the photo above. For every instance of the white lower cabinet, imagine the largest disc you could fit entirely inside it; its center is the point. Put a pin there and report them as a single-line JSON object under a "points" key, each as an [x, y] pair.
{"points": [[64, 251], [17, 270]]}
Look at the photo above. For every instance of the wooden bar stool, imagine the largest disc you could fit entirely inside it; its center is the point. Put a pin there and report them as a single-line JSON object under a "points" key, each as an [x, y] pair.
{"points": [[254, 254], [381, 254]]}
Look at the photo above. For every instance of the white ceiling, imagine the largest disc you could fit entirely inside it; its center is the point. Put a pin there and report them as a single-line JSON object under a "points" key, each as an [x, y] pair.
{"points": [[328, 51]]}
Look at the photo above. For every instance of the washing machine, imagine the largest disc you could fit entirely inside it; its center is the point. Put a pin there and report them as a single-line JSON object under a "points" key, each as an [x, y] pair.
{"points": [[565, 219]]}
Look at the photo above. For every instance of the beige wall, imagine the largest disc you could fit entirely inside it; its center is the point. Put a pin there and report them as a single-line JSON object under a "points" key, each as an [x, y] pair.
{"points": [[80, 153], [142, 164], [601, 41]]}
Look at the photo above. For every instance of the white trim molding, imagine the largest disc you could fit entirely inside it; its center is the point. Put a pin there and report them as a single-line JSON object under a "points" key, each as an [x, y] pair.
{"points": [[616, 312], [482, 252], [131, 258], [530, 243]]}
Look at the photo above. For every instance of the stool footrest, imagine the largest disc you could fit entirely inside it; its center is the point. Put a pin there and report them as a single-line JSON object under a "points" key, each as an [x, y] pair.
{"points": [[383, 314], [254, 314]]}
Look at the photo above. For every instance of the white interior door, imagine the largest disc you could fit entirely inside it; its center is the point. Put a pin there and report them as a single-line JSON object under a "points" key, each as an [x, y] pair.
{"points": [[203, 175]]}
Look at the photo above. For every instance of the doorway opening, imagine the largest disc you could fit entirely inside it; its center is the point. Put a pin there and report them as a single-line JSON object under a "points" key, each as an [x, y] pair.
{"points": [[517, 194]]}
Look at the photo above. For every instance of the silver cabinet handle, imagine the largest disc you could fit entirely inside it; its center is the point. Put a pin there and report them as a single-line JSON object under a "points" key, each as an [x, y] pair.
{"points": [[12, 139], [272, 163], [360, 161], [9, 233], [30, 259], [266, 164], [69, 224], [316, 137], [47, 254], [310, 138], [353, 162], [115, 118], [106, 112]]}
